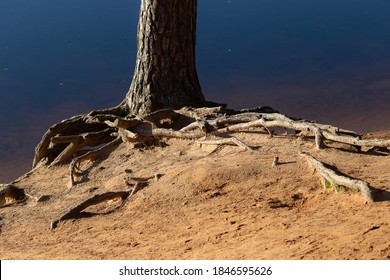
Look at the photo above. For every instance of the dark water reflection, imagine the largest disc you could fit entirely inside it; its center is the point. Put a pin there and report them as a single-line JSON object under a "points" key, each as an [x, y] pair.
{"points": [[326, 60]]}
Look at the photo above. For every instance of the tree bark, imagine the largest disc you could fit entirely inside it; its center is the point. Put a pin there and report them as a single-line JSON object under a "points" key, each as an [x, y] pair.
{"points": [[165, 74]]}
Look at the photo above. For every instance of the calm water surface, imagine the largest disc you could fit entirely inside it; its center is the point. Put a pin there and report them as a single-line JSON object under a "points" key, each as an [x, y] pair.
{"points": [[327, 60]]}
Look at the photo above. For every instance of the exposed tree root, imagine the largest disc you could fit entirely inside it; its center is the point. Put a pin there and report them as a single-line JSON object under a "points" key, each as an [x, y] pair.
{"points": [[66, 139], [76, 142], [337, 180], [10, 194], [371, 143], [76, 212], [80, 126], [100, 130], [226, 141], [74, 166]]}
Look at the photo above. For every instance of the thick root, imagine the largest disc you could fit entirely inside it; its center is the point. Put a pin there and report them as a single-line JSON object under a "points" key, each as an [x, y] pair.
{"points": [[10, 194], [76, 212], [77, 142], [80, 126], [337, 180]]}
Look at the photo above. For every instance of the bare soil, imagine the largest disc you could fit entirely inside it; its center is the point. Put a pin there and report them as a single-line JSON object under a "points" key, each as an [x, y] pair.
{"points": [[212, 202]]}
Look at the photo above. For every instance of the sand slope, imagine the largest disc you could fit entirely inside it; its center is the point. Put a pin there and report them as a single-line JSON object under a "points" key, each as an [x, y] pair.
{"points": [[211, 203]]}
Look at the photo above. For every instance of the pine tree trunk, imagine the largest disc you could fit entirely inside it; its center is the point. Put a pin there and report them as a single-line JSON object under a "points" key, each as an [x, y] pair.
{"points": [[165, 73]]}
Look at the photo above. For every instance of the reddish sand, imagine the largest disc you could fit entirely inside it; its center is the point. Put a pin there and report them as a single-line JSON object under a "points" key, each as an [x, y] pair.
{"points": [[211, 203]]}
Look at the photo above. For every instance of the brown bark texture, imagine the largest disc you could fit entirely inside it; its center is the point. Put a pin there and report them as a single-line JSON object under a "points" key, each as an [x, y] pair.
{"points": [[165, 73]]}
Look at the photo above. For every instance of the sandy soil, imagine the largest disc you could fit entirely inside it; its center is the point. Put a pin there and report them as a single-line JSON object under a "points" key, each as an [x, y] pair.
{"points": [[211, 203]]}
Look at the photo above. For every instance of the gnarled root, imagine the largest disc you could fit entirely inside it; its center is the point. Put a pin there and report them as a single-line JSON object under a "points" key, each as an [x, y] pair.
{"points": [[76, 142], [67, 139], [76, 212], [104, 128], [10, 194], [337, 180], [74, 166], [64, 139], [219, 121]]}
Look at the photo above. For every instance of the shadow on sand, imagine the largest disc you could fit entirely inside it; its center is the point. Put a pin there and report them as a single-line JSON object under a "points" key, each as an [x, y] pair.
{"points": [[380, 195]]}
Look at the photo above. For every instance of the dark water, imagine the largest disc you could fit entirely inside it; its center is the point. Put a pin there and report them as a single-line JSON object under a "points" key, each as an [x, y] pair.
{"points": [[327, 60]]}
